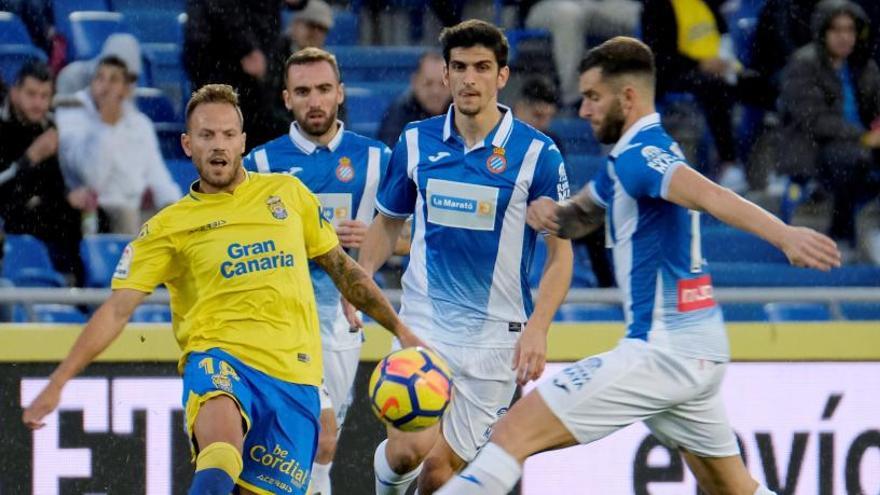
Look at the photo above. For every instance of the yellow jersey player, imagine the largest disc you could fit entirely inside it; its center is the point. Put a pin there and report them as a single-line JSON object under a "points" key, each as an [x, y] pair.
{"points": [[234, 255]]}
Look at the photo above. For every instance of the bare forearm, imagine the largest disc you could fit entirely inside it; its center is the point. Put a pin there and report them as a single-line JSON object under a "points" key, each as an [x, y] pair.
{"points": [[358, 288], [736, 211], [379, 243], [555, 282]]}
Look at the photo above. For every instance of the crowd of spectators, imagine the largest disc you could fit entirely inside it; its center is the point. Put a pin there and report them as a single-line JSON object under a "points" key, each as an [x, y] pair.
{"points": [[811, 65]]}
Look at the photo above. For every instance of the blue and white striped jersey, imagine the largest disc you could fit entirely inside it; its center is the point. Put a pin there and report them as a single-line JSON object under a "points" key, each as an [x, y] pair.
{"points": [[466, 282], [344, 175], [658, 260]]}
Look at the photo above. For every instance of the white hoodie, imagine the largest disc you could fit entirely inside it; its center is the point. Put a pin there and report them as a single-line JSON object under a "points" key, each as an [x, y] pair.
{"points": [[119, 162]]}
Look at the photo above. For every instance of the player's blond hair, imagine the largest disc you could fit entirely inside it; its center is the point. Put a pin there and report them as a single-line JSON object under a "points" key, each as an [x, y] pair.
{"points": [[311, 55], [213, 93]]}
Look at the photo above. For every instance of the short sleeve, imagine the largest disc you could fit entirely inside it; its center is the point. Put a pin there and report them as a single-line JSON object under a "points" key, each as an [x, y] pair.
{"points": [[248, 162], [601, 188], [318, 233], [646, 172], [551, 176], [147, 261], [397, 191]]}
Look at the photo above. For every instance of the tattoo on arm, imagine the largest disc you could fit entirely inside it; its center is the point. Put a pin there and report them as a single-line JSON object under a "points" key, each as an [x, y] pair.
{"points": [[358, 288], [579, 218]]}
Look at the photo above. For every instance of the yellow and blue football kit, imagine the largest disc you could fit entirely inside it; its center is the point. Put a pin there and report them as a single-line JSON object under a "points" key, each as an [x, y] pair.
{"points": [[244, 313]]}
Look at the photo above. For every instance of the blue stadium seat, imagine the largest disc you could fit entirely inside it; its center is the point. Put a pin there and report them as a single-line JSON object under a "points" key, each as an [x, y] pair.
{"points": [[346, 29], [152, 313], [728, 244], [744, 312], [22, 251], [89, 30], [742, 274], [366, 103], [38, 277], [12, 57], [377, 63], [61, 10], [789, 311], [13, 31], [576, 136], [589, 312], [100, 253], [860, 311], [57, 313], [517, 36], [183, 172], [158, 5], [154, 26], [156, 106]]}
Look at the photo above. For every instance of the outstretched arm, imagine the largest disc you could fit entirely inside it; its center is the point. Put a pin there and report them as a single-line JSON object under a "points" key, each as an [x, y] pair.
{"points": [[358, 288], [101, 330], [803, 247], [571, 219]]}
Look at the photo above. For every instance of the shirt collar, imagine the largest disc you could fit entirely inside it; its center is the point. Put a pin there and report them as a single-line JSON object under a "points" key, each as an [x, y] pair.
{"points": [[200, 196], [309, 147], [497, 136], [639, 125]]}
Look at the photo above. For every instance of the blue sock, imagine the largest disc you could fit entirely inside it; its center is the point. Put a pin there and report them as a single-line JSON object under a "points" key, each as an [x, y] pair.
{"points": [[211, 481]]}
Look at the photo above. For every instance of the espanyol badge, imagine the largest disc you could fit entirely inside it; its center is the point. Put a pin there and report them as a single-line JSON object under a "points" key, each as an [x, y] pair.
{"points": [[496, 163], [344, 171], [276, 206]]}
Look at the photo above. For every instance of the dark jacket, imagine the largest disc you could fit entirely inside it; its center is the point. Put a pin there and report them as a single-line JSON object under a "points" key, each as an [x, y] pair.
{"points": [[402, 111], [783, 27], [33, 199], [811, 100]]}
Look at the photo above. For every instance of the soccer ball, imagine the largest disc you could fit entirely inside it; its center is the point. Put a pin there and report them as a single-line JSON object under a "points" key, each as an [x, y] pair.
{"points": [[410, 388]]}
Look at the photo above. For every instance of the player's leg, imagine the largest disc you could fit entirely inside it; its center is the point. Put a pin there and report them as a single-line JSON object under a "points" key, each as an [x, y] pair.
{"points": [[723, 475], [397, 461], [529, 427], [219, 436], [326, 451]]}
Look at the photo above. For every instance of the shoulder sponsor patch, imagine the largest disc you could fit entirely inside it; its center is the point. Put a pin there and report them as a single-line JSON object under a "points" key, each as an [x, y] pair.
{"points": [[123, 267], [659, 159], [563, 190]]}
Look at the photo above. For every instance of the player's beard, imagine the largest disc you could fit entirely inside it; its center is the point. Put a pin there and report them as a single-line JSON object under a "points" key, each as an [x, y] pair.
{"points": [[611, 129], [317, 129], [224, 180]]}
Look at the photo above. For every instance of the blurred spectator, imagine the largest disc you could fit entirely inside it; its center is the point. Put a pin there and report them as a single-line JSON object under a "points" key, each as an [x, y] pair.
{"points": [[110, 147], [36, 17], [227, 41], [427, 96], [33, 198], [76, 76], [695, 55], [783, 27], [537, 106], [830, 105], [571, 22]]}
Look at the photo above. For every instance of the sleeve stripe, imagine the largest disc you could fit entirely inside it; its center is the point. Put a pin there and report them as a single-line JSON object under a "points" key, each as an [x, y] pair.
{"points": [[262, 161], [667, 177], [368, 196], [412, 150], [389, 213], [591, 186]]}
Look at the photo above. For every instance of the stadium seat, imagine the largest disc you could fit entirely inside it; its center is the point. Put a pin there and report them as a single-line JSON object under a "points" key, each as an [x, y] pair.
{"points": [[38, 277], [57, 313], [13, 31], [744, 312], [158, 5], [742, 274], [154, 26], [728, 244], [366, 103], [89, 30], [788, 311], [155, 105], [588, 312], [183, 172], [22, 252], [346, 29], [151, 313], [61, 10], [860, 311], [12, 57], [100, 253], [377, 63]]}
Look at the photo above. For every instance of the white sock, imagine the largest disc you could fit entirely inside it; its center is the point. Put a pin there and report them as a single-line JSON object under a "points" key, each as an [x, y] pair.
{"points": [[763, 490], [387, 481], [320, 479], [493, 472]]}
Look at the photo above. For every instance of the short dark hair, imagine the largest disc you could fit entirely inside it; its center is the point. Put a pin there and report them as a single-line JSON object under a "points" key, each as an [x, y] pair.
{"points": [[114, 61], [619, 56], [311, 55], [213, 93], [34, 69], [428, 55], [474, 32], [538, 89]]}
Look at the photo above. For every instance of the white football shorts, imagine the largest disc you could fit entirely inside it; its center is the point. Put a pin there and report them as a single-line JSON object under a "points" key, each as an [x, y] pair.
{"points": [[677, 397], [339, 372]]}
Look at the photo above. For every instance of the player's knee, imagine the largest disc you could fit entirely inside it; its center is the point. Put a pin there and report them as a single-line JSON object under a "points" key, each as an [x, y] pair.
{"points": [[403, 457], [436, 471]]}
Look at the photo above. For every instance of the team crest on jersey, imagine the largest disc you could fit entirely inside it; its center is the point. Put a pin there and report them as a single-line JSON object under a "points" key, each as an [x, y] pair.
{"points": [[497, 163], [276, 206], [344, 171]]}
